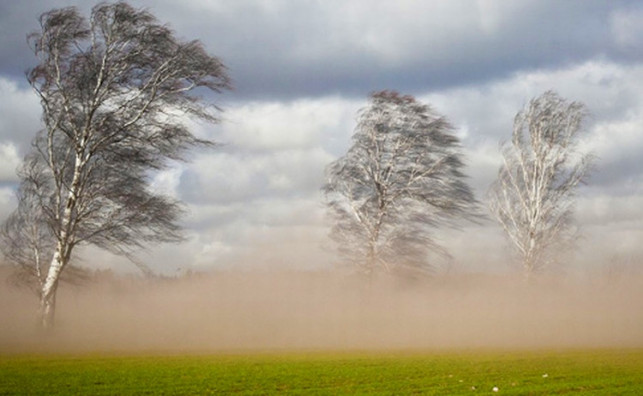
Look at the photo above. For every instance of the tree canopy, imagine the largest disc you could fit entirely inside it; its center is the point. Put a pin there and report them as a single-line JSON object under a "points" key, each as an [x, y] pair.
{"points": [[533, 196], [116, 90], [401, 178]]}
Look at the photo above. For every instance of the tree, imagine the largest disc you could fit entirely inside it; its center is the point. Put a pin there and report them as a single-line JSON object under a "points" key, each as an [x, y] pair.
{"points": [[115, 91], [533, 197], [401, 178]]}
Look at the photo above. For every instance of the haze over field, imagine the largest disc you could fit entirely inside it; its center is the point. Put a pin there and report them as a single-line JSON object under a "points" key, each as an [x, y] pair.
{"points": [[271, 311], [302, 69]]}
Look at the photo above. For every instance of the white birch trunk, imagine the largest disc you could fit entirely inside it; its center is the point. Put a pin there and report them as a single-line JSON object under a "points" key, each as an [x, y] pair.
{"points": [[61, 255], [49, 288]]}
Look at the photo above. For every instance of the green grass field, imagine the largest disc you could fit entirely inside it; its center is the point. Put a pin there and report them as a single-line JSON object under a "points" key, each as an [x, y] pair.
{"points": [[589, 372]]}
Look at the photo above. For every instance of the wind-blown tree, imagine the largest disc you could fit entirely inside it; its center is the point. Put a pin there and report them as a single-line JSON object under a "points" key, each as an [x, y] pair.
{"points": [[533, 197], [115, 92], [401, 178]]}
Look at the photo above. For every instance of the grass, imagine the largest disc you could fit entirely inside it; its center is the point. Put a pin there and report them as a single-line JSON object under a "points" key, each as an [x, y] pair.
{"points": [[587, 372]]}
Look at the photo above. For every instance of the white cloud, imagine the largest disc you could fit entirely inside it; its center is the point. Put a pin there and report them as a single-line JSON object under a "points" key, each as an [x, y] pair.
{"points": [[167, 181], [9, 161], [270, 149], [296, 125], [487, 110], [483, 115], [238, 177], [266, 231]]}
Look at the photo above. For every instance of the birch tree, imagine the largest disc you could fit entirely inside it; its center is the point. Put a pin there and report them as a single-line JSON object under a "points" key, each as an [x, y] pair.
{"points": [[401, 178], [534, 193], [115, 91]]}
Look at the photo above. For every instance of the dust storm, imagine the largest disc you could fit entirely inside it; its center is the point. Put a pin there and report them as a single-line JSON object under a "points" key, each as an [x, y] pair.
{"points": [[326, 310]]}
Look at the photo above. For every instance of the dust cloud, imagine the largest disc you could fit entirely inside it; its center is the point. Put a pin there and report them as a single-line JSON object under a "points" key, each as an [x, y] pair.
{"points": [[289, 310]]}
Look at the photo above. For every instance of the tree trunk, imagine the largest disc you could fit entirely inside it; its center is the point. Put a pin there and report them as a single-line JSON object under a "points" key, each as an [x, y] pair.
{"points": [[48, 310], [49, 289], [372, 257], [529, 260], [61, 255]]}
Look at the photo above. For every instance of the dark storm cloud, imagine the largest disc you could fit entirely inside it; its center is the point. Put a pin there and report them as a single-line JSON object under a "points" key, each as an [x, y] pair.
{"points": [[311, 49], [282, 48], [17, 20]]}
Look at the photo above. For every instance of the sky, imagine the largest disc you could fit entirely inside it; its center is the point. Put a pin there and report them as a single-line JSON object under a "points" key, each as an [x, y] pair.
{"points": [[301, 71]]}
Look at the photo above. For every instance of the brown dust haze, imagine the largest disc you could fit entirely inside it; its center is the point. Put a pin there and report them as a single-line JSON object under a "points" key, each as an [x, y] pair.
{"points": [[239, 311]]}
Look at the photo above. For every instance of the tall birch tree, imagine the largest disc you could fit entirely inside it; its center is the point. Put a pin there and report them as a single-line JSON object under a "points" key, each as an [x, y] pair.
{"points": [[400, 180], [115, 92], [533, 196]]}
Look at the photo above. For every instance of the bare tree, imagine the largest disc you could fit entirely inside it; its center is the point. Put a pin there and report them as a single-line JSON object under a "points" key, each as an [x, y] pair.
{"points": [[533, 196], [401, 178], [115, 91]]}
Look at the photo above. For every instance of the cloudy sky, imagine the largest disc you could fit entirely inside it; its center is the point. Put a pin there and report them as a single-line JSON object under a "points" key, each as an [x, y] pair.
{"points": [[301, 70]]}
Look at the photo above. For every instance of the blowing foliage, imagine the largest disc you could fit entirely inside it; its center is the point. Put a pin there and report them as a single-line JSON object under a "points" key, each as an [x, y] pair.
{"points": [[115, 91], [400, 180], [533, 196]]}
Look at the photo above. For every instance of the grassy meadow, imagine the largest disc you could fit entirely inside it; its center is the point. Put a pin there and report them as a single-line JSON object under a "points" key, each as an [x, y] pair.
{"points": [[587, 372]]}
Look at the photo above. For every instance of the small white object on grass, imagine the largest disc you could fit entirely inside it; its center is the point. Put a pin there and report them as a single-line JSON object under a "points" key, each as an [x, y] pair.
{"points": [[495, 389], [545, 375]]}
